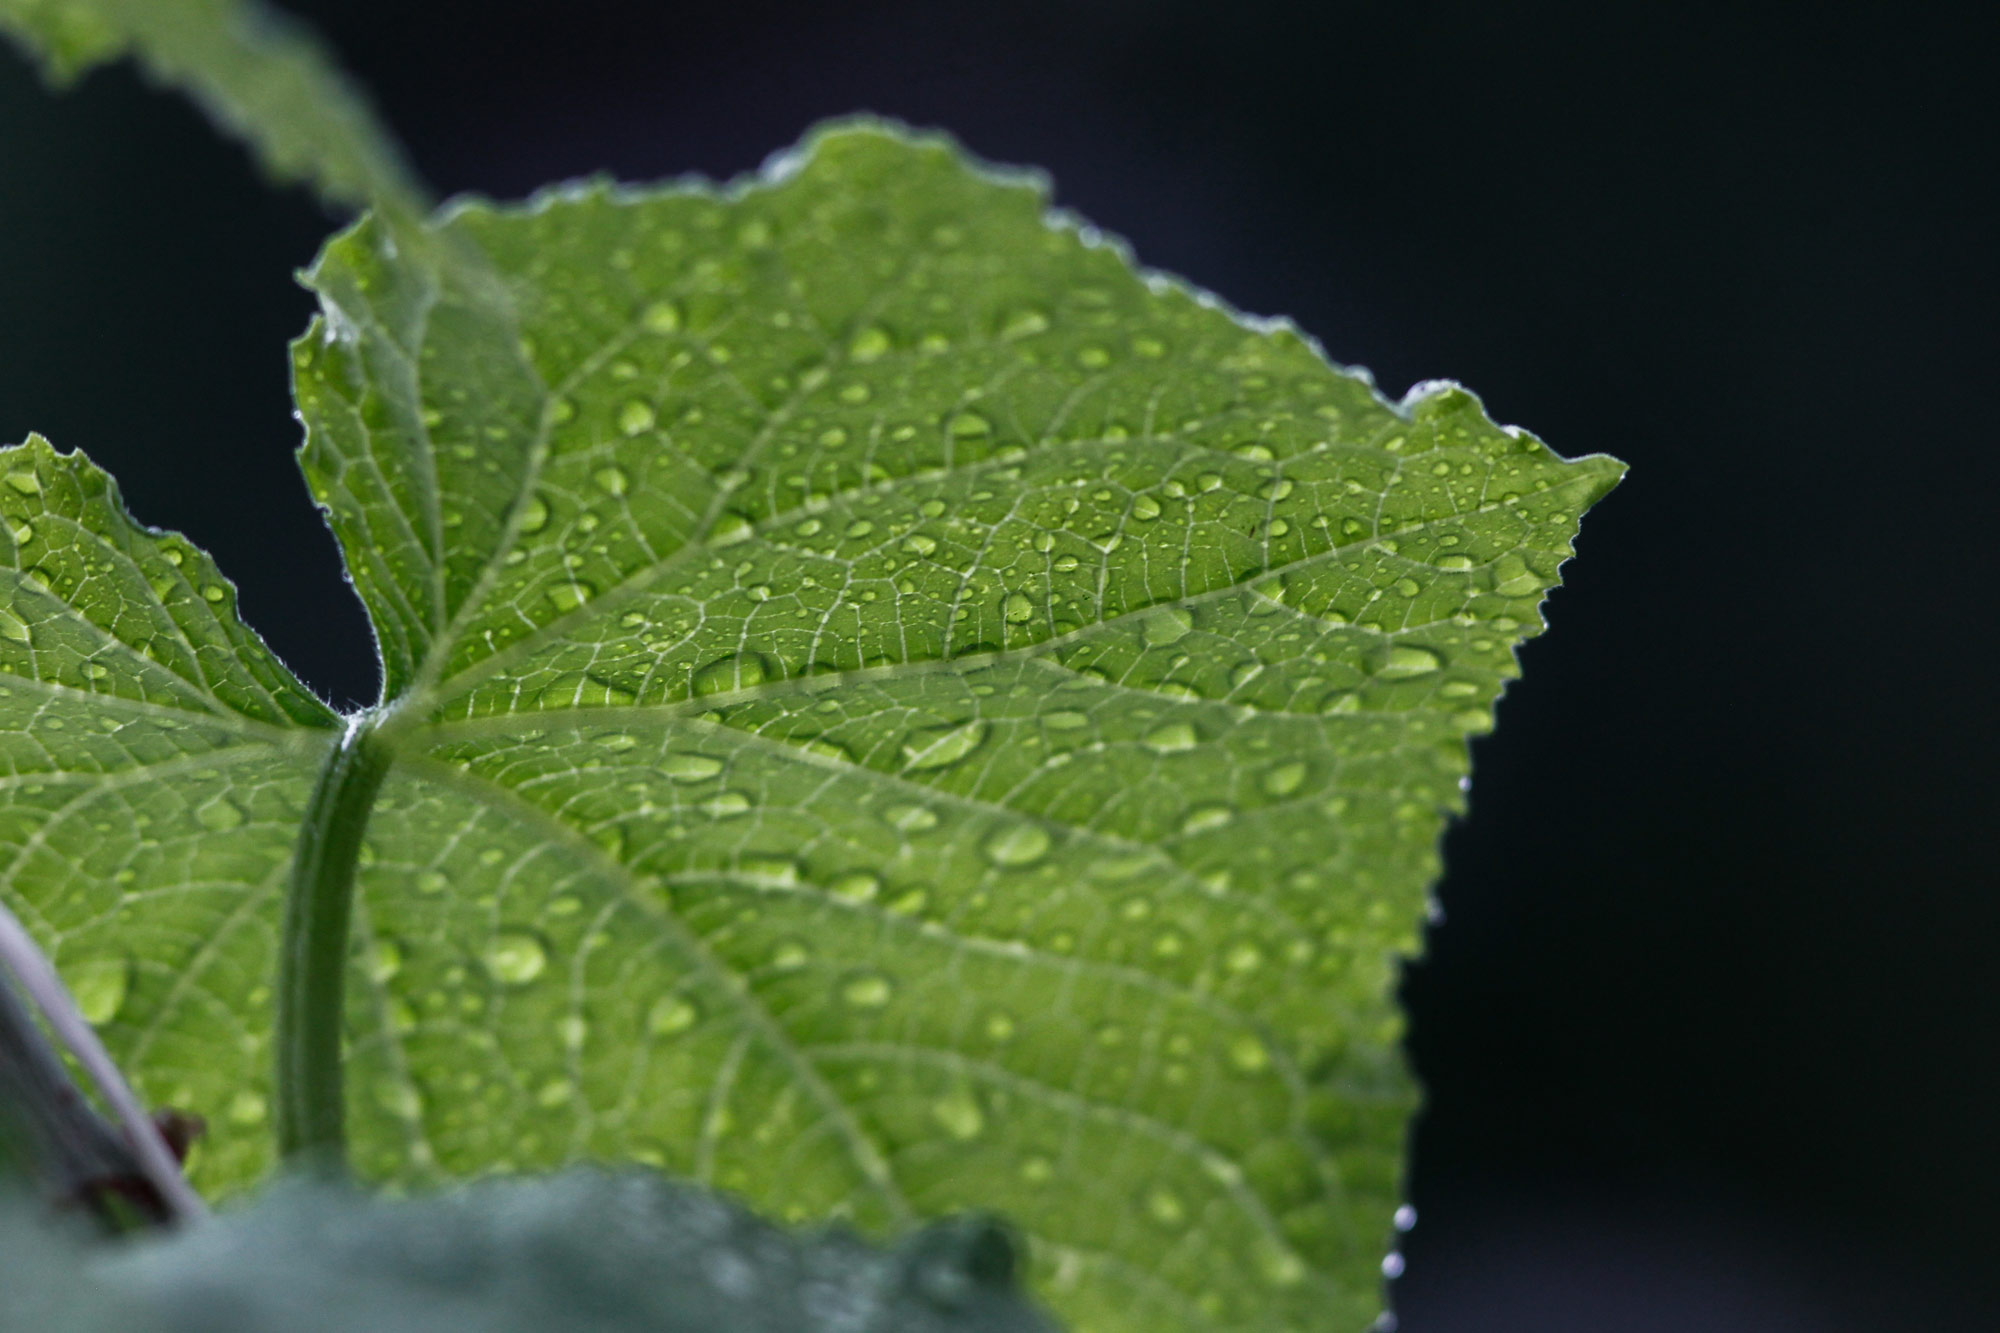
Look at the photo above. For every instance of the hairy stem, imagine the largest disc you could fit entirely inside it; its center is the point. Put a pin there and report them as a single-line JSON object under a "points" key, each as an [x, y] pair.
{"points": [[312, 957]]}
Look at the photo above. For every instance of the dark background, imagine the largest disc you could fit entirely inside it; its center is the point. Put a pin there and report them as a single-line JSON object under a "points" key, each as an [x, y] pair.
{"points": [[1709, 1031]]}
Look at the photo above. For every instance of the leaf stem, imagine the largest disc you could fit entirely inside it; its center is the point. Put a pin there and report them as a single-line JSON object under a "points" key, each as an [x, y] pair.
{"points": [[312, 957]]}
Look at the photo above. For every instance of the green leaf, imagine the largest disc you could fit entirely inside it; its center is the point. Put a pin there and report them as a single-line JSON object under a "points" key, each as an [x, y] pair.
{"points": [[890, 710], [582, 1251], [257, 72]]}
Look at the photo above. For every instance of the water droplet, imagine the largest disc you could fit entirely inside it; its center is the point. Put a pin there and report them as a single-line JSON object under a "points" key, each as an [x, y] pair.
{"points": [[871, 990], [1165, 1207], [534, 514], [1037, 1170], [248, 1108], [959, 1114], [27, 483], [869, 344], [966, 424], [683, 767], [661, 317], [219, 815], [1065, 720], [911, 818], [776, 872], [615, 741], [1018, 609], [1204, 817], [213, 593], [515, 957], [1285, 779], [1392, 1265], [1021, 845], [24, 532], [1145, 508], [1165, 626], [13, 627], [726, 805], [99, 988], [1000, 1027], [569, 596], [730, 528], [635, 416], [937, 747], [740, 672], [384, 961], [1172, 738], [1408, 659], [670, 1016], [789, 956], [1513, 578], [612, 480], [1243, 956], [399, 1099], [1249, 1054], [1024, 323], [858, 887], [1406, 1218], [432, 881]]}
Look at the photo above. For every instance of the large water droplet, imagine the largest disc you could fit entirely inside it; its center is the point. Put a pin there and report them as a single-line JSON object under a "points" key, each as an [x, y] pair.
{"points": [[684, 767], [534, 514], [13, 627], [612, 480], [1020, 845], [635, 417], [27, 483], [937, 747], [1018, 609], [569, 596], [1408, 659], [1167, 625], [869, 344], [730, 528], [515, 957], [740, 672], [1513, 578], [1172, 738]]}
